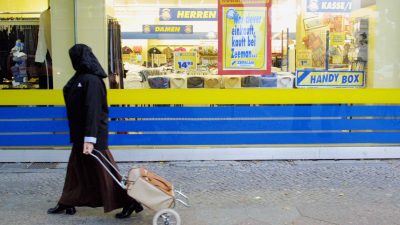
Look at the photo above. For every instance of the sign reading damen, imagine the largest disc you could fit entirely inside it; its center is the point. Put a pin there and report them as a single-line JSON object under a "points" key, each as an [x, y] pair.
{"points": [[168, 29], [334, 6], [188, 14]]}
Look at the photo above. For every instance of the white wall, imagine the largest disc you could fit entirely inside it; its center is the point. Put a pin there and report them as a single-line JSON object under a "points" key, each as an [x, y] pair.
{"points": [[62, 38], [92, 28], [387, 53]]}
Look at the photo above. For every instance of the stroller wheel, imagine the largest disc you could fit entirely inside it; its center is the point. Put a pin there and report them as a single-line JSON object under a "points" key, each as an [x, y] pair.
{"points": [[167, 217]]}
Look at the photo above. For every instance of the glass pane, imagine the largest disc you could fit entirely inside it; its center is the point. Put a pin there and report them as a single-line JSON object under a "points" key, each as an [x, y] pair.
{"points": [[174, 44], [25, 50]]}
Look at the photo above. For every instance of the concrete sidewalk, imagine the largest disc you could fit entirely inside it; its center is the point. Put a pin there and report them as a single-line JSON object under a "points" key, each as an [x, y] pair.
{"points": [[227, 193]]}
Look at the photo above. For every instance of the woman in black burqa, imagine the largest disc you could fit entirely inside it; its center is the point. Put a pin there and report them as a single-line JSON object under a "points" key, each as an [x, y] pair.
{"points": [[86, 182]]}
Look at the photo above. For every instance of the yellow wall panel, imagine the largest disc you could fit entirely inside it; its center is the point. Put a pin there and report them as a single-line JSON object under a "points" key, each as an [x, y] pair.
{"points": [[23, 5], [215, 96]]}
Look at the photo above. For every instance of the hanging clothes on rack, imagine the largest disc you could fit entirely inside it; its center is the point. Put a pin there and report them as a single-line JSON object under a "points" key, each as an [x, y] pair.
{"points": [[169, 54], [44, 40], [115, 66], [150, 56], [44, 51]]}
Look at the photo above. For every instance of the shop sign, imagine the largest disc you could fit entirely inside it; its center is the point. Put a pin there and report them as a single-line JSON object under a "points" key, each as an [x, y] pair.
{"points": [[244, 37], [333, 6], [243, 2], [337, 38], [323, 78], [304, 58], [185, 61], [168, 29], [188, 14]]}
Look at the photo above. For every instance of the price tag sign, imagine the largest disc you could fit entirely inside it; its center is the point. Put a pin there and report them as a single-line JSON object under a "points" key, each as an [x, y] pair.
{"points": [[185, 61]]}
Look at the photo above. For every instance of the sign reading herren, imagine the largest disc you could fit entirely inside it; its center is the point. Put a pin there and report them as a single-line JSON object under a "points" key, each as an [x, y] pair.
{"points": [[188, 14]]}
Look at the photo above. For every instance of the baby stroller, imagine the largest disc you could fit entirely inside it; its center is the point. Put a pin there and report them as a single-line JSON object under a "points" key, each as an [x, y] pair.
{"points": [[151, 190]]}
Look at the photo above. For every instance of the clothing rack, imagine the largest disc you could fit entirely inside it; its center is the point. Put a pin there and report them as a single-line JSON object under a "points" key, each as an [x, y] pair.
{"points": [[18, 21], [13, 13]]}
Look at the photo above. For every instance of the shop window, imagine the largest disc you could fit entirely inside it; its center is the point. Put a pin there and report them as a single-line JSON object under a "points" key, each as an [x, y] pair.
{"points": [[25, 46], [176, 44], [323, 43]]}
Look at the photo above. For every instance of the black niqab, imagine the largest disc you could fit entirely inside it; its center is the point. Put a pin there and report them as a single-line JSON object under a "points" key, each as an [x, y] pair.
{"points": [[84, 61]]}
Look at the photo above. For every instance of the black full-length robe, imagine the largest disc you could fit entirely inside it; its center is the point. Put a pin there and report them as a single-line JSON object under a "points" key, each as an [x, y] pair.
{"points": [[86, 182]]}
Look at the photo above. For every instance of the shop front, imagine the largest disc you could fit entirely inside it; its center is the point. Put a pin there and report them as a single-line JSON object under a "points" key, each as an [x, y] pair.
{"points": [[210, 79]]}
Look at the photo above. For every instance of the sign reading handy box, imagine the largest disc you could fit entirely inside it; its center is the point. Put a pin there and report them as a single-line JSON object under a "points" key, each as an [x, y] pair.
{"points": [[323, 78]]}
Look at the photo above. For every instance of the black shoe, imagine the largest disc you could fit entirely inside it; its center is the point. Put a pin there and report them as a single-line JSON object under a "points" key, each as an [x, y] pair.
{"points": [[70, 210], [128, 210]]}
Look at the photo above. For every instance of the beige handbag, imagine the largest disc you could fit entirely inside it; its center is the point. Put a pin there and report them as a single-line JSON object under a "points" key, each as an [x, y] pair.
{"points": [[146, 187], [150, 189]]}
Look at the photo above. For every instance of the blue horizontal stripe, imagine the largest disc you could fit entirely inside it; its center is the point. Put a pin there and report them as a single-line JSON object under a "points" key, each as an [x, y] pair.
{"points": [[212, 112], [252, 125], [209, 125], [256, 111], [32, 112], [46, 140], [34, 126], [214, 139], [259, 139], [141, 35]]}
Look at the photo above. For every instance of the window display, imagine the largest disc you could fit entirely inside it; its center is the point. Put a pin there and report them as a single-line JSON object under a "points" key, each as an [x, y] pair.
{"points": [[332, 41], [25, 62], [331, 37], [256, 40]]}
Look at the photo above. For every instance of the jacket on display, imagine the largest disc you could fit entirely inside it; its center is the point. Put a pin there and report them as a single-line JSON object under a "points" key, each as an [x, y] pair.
{"points": [[44, 39]]}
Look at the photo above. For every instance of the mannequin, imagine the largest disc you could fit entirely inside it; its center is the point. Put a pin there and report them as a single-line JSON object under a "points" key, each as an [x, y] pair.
{"points": [[19, 69]]}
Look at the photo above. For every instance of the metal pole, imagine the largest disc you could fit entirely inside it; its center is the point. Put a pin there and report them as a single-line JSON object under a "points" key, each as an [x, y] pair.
{"points": [[283, 52], [47, 74], [287, 50], [327, 51]]}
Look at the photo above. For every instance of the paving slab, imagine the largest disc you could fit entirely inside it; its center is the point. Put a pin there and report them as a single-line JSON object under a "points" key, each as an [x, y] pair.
{"points": [[365, 192]]}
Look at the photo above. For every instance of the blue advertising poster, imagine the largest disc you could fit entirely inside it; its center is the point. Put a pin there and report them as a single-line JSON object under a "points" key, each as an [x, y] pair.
{"points": [[333, 6], [168, 29], [188, 14]]}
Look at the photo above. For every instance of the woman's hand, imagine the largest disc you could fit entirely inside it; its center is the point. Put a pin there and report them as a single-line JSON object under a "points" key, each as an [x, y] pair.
{"points": [[87, 148]]}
